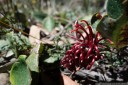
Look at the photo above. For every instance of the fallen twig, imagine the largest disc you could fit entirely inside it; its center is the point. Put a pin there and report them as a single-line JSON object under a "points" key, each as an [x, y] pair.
{"points": [[6, 67]]}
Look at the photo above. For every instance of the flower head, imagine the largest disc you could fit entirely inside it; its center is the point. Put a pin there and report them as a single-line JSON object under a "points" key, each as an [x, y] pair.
{"points": [[85, 51]]}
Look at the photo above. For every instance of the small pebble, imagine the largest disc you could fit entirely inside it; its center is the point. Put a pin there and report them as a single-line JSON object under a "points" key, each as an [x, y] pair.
{"points": [[1, 59], [13, 59], [4, 78]]}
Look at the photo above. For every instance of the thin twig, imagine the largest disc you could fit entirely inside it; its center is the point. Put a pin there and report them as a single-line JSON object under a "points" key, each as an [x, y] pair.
{"points": [[125, 1], [20, 31], [6, 67], [62, 30], [59, 18]]}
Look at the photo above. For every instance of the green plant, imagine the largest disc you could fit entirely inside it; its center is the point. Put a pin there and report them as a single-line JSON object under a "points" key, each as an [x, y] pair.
{"points": [[45, 58]]}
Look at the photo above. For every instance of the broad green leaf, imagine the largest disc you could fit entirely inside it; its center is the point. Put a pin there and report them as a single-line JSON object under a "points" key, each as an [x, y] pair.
{"points": [[115, 30], [49, 23], [33, 62], [106, 27], [120, 34], [114, 8], [20, 74]]}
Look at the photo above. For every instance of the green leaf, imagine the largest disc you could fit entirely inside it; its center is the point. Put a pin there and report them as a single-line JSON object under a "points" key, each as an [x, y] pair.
{"points": [[120, 34], [106, 27], [49, 23], [53, 56], [38, 15], [18, 43], [33, 62], [114, 8], [20, 74], [4, 44], [22, 58], [115, 30], [52, 59]]}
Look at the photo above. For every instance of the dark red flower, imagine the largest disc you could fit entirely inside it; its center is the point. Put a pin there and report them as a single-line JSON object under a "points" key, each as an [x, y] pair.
{"points": [[85, 51]]}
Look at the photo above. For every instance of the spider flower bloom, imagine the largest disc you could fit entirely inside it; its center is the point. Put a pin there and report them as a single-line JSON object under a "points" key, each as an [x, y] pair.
{"points": [[85, 51]]}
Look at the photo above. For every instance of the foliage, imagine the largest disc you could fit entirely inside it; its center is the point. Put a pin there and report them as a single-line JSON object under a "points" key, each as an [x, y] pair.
{"points": [[3, 45], [21, 71], [15, 20], [20, 74], [50, 59], [114, 26], [49, 23], [16, 43], [32, 62], [114, 8]]}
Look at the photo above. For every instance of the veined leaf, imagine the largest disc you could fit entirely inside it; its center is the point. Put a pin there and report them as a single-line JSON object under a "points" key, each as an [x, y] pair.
{"points": [[115, 30], [114, 8], [20, 74]]}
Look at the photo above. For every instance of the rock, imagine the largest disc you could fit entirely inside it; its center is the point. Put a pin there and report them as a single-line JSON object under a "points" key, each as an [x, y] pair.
{"points": [[4, 78], [1, 59], [34, 37], [9, 54], [13, 59]]}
